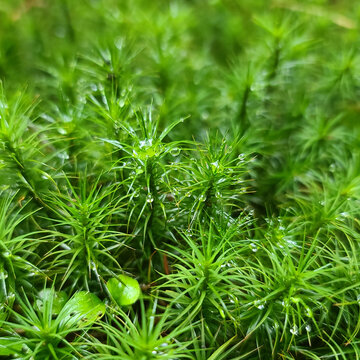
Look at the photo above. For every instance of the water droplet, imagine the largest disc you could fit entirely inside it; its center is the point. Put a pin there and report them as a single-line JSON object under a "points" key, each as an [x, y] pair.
{"points": [[10, 297], [205, 115], [291, 243], [202, 198], [188, 194], [253, 247], [241, 158], [6, 254], [149, 198], [332, 167], [175, 151], [218, 195], [308, 328], [222, 313], [121, 165], [145, 143], [294, 330], [63, 155], [259, 304], [215, 164]]}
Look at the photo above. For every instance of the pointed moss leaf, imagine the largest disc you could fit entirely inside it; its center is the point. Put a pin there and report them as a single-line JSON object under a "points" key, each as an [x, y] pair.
{"points": [[59, 299], [124, 290], [83, 309]]}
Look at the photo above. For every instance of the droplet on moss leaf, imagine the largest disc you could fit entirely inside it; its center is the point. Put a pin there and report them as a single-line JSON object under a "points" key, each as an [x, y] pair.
{"points": [[124, 290]]}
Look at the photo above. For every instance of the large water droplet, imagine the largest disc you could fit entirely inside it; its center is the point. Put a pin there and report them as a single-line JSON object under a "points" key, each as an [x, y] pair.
{"points": [[202, 198], [175, 151], [149, 198]]}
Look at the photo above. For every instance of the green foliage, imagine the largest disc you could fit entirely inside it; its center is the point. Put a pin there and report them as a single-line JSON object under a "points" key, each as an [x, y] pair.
{"points": [[184, 175]]}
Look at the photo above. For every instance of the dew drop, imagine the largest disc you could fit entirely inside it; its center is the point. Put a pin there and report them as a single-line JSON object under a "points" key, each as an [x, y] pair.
{"points": [[63, 155], [175, 151], [11, 296], [253, 247], [241, 158], [308, 328], [294, 330], [149, 198], [202, 198], [122, 165], [259, 304]]}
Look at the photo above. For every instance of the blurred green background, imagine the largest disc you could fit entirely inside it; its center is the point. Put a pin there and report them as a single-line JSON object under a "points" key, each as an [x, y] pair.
{"points": [[185, 57]]}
